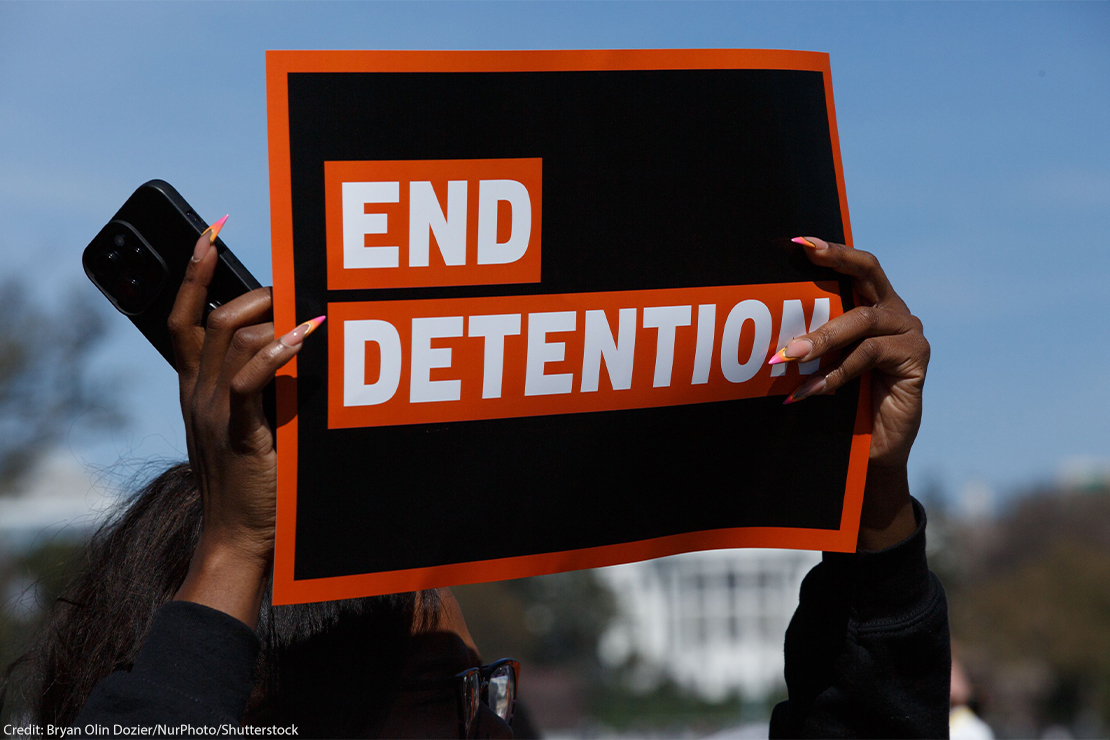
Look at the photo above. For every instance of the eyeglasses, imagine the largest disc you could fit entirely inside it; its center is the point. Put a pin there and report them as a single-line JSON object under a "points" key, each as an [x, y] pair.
{"points": [[493, 685]]}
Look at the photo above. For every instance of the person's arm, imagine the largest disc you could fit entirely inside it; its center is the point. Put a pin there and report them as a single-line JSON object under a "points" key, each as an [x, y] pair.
{"points": [[196, 664], [867, 652], [196, 667], [223, 366]]}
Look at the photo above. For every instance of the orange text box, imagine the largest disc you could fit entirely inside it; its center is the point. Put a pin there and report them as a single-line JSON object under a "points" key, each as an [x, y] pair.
{"points": [[420, 223], [444, 360]]}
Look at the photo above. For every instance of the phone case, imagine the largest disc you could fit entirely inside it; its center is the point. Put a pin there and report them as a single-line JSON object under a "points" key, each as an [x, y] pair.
{"points": [[170, 227]]}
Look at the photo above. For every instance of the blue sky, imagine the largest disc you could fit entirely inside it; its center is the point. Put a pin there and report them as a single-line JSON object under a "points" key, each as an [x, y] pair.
{"points": [[974, 137]]}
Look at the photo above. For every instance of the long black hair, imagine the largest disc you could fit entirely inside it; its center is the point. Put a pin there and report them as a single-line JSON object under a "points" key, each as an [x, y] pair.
{"points": [[326, 667]]}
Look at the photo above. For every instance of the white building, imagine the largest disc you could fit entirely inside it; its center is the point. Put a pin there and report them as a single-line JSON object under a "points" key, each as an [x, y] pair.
{"points": [[59, 497], [713, 622]]}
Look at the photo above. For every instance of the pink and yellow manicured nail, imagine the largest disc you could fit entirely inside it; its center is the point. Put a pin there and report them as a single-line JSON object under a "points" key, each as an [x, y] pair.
{"points": [[214, 230], [795, 349], [780, 356], [804, 242], [295, 337]]}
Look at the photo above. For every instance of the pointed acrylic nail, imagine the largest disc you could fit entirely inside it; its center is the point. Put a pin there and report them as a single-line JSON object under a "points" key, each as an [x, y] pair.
{"points": [[780, 356], [811, 387], [295, 337], [818, 244], [214, 230], [795, 349]]}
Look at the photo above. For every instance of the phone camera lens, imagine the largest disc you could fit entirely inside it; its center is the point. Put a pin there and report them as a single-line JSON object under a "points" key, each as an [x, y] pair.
{"points": [[109, 263], [124, 266], [129, 291]]}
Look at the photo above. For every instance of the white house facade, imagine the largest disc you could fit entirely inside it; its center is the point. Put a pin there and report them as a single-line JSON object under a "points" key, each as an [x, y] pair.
{"points": [[713, 622]]}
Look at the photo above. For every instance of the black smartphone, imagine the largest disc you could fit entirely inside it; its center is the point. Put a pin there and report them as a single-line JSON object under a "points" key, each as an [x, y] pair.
{"points": [[138, 261]]}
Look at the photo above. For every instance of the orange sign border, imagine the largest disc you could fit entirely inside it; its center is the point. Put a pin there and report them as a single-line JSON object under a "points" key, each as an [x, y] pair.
{"points": [[279, 64]]}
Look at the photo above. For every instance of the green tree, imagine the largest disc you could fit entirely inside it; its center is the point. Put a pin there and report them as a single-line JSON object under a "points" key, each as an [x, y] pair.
{"points": [[1033, 601], [45, 384], [44, 379]]}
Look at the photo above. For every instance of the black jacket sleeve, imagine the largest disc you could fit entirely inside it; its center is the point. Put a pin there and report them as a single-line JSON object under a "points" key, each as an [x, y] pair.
{"points": [[868, 651], [196, 668]]}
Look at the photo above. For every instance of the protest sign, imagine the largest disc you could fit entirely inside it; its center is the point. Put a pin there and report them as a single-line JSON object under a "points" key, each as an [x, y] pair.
{"points": [[553, 280]]}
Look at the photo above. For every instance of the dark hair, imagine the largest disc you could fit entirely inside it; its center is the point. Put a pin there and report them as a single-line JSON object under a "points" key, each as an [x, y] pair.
{"points": [[323, 666]]}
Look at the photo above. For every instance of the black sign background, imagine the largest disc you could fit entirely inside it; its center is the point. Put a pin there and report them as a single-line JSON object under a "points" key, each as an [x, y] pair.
{"points": [[651, 179]]}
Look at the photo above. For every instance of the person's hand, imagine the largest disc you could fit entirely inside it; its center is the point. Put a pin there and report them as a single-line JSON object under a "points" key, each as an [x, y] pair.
{"points": [[222, 369], [883, 336]]}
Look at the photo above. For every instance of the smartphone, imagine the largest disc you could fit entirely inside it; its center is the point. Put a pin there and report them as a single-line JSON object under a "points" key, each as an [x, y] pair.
{"points": [[138, 261]]}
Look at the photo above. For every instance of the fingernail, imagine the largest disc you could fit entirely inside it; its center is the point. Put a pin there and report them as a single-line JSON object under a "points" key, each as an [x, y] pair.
{"points": [[201, 249], [817, 244], [295, 337], [214, 230], [809, 388], [795, 349]]}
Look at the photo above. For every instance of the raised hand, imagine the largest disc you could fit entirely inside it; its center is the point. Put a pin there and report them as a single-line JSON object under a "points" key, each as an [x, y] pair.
{"points": [[880, 335], [223, 368]]}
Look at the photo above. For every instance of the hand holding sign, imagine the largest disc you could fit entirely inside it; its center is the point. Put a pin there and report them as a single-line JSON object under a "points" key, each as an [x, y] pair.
{"points": [[883, 336]]}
